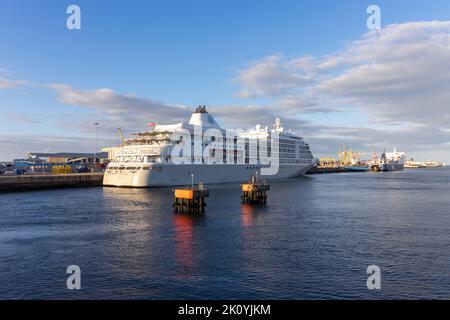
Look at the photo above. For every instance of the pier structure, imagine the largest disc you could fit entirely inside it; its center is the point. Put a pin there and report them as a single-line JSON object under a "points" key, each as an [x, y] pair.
{"points": [[190, 199], [255, 191], [49, 181], [347, 161]]}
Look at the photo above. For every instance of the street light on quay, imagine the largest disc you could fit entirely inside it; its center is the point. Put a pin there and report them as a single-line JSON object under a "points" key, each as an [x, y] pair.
{"points": [[96, 124], [192, 179]]}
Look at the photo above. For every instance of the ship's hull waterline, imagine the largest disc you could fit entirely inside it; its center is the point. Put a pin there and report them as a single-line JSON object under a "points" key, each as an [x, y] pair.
{"points": [[392, 167], [175, 175], [385, 167]]}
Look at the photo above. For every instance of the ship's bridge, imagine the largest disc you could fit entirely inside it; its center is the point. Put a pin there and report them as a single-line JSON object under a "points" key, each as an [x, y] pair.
{"points": [[202, 118]]}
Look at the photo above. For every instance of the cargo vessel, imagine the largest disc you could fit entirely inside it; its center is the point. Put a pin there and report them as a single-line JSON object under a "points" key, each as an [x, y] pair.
{"points": [[389, 161]]}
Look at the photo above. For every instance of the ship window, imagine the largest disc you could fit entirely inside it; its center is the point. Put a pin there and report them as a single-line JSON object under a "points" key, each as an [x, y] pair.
{"points": [[150, 159]]}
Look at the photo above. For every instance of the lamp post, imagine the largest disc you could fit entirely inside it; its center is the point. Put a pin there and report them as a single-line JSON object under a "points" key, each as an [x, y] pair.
{"points": [[96, 124], [192, 180]]}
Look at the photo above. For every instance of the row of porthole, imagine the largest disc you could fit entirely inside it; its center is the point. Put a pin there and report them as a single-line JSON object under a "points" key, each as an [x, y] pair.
{"points": [[128, 168]]}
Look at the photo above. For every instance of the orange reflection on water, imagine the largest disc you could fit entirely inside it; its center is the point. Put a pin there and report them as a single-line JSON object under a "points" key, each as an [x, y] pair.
{"points": [[247, 214], [184, 225]]}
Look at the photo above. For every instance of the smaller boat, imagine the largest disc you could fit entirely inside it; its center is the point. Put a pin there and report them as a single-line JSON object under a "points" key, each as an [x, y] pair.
{"points": [[433, 164], [411, 164]]}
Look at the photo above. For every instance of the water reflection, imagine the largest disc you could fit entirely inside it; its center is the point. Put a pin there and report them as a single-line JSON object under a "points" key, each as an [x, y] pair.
{"points": [[128, 198], [247, 214], [133, 209], [313, 240], [184, 239], [250, 213], [130, 222]]}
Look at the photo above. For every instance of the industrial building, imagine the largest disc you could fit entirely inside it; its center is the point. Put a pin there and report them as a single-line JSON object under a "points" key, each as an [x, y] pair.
{"points": [[62, 162], [69, 158], [111, 152]]}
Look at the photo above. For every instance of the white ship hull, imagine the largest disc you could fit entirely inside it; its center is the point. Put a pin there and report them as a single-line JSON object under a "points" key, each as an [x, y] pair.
{"points": [[164, 175]]}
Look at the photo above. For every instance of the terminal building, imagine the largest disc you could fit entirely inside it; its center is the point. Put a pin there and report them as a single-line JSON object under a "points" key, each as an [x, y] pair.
{"points": [[111, 152], [59, 162], [68, 158]]}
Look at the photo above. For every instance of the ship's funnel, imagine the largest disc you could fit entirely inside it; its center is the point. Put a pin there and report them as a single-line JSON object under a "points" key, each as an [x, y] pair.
{"points": [[202, 118]]}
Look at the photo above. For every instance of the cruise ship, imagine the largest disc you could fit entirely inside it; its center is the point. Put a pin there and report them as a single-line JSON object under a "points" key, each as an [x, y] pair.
{"points": [[201, 151]]}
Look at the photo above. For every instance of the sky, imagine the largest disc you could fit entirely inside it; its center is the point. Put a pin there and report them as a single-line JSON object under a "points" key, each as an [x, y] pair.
{"points": [[313, 63]]}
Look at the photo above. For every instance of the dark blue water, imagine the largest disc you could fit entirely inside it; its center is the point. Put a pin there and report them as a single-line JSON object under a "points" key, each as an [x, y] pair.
{"points": [[314, 240]]}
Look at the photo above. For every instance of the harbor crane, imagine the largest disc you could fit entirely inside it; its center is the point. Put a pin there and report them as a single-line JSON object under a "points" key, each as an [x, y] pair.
{"points": [[122, 139]]}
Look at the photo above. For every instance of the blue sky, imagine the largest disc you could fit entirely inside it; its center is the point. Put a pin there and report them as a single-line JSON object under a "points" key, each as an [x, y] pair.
{"points": [[177, 53]]}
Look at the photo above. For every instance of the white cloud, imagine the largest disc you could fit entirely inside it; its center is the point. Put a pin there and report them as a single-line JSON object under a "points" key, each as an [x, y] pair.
{"points": [[120, 109], [401, 73], [244, 117], [269, 77], [10, 84]]}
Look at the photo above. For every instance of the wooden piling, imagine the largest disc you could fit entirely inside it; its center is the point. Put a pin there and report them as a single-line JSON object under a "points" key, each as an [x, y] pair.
{"points": [[190, 199], [255, 191]]}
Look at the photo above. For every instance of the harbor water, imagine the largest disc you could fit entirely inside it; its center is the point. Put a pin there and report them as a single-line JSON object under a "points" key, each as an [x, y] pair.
{"points": [[314, 239]]}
